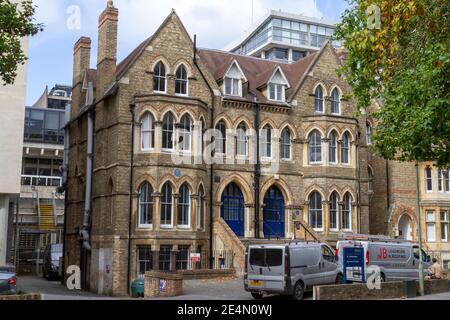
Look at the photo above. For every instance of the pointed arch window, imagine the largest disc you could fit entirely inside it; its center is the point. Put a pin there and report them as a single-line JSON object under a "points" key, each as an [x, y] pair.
{"points": [[167, 206], [242, 140], [332, 147], [221, 138], [181, 81], [145, 205], [318, 94], [147, 132], [345, 149], [370, 178], [334, 212], [286, 144], [316, 211], [168, 130], [185, 134], [368, 133], [315, 147], [335, 101], [159, 78], [347, 213], [184, 206], [266, 142]]}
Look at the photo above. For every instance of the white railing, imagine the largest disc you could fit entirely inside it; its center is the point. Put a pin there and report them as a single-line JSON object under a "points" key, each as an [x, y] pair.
{"points": [[43, 181]]}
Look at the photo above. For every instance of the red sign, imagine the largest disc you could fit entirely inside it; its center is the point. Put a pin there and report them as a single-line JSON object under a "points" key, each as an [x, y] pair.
{"points": [[195, 257]]}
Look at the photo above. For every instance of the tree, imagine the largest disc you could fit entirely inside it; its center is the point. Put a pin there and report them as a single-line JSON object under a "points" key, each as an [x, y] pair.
{"points": [[404, 64], [16, 22]]}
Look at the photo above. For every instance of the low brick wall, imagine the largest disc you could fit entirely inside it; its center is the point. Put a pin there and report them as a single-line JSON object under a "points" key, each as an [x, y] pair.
{"points": [[173, 284], [207, 274], [17, 297], [389, 290]]}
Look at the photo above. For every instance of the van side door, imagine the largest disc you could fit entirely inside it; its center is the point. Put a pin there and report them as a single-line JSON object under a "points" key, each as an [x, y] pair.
{"points": [[327, 266]]}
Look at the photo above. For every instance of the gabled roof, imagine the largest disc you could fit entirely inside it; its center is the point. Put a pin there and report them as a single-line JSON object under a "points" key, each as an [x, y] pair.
{"points": [[126, 63], [258, 71]]}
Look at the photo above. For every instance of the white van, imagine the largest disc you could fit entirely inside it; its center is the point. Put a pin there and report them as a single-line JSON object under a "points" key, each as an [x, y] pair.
{"points": [[396, 259], [289, 269]]}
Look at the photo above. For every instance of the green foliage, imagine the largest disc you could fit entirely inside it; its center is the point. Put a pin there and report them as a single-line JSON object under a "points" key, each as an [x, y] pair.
{"points": [[405, 66], [16, 21]]}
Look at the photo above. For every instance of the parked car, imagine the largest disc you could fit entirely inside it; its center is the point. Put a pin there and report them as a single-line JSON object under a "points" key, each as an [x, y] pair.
{"points": [[52, 255], [289, 269], [8, 280], [396, 259]]}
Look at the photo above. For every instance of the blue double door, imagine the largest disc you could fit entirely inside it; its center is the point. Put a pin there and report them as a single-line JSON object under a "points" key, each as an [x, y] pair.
{"points": [[273, 213], [233, 211]]}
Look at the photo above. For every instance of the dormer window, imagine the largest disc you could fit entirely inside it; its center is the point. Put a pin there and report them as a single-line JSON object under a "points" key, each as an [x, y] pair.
{"points": [[277, 86], [233, 80]]}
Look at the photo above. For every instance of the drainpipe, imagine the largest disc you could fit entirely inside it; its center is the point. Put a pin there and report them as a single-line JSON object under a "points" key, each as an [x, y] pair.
{"points": [[211, 181], [358, 205], [85, 231], [64, 188], [257, 170], [130, 208]]}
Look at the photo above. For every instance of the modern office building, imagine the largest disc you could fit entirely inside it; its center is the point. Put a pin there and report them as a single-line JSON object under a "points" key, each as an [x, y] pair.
{"points": [[12, 100], [39, 218], [284, 36]]}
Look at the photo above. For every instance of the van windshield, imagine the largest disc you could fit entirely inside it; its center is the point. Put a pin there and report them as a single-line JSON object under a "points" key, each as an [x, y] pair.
{"points": [[266, 257]]}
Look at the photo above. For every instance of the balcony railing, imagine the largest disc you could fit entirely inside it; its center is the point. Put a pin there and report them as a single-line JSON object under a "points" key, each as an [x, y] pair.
{"points": [[41, 181]]}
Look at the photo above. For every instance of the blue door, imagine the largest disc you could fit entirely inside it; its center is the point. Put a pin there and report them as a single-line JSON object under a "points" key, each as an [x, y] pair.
{"points": [[273, 213], [232, 210]]}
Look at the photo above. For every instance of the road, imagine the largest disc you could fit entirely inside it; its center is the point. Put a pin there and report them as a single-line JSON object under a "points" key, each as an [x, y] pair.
{"points": [[217, 289]]}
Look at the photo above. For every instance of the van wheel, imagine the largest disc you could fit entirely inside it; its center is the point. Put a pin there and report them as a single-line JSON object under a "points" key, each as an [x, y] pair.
{"points": [[257, 296], [339, 279], [299, 291]]}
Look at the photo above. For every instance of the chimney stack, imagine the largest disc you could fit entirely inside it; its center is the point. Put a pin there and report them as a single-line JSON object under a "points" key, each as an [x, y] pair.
{"points": [[81, 62], [107, 47]]}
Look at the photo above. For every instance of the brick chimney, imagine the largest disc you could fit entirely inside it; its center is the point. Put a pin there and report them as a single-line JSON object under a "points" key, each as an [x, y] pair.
{"points": [[81, 62], [107, 47]]}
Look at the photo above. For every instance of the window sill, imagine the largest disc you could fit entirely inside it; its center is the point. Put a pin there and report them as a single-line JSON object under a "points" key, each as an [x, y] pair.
{"points": [[182, 94], [166, 226], [167, 150], [183, 227], [160, 92], [147, 150], [145, 227]]}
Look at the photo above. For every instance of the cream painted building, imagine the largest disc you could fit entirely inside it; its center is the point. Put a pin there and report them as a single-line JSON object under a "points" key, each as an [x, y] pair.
{"points": [[12, 104]]}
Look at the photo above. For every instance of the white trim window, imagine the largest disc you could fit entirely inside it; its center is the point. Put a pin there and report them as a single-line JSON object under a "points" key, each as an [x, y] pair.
{"points": [[159, 78], [185, 134], [447, 180], [428, 179], [220, 138], [345, 149], [286, 144], [370, 179], [316, 211], [145, 206], [184, 207], [147, 132], [445, 226], [181, 81], [167, 206], [233, 87], [318, 99], [334, 212], [431, 226], [335, 101], [276, 92], [168, 130], [242, 140], [440, 180], [347, 213], [315, 147], [368, 134], [266, 142], [332, 147]]}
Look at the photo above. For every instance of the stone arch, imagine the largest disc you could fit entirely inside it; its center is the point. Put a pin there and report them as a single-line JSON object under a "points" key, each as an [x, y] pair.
{"points": [[145, 178], [350, 133], [335, 129], [313, 188], [287, 125], [145, 110], [225, 119], [171, 110], [348, 190], [324, 88], [244, 119], [186, 65], [280, 184], [191, 115], [335, 86], [312, 128], [399, 213], [188, 181], [241, 182], [171, 180], [269, 122], [164, 61]]}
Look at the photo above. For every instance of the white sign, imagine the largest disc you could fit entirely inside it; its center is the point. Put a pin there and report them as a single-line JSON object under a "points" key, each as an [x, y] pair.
{"points": [[195, 257]]}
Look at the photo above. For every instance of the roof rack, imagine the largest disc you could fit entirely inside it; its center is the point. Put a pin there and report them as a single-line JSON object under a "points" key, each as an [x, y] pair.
{"points": [[368, 237]]}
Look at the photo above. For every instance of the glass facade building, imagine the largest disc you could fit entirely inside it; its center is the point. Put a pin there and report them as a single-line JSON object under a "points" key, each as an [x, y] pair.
{"points": [[286, 37], [44, 125]]}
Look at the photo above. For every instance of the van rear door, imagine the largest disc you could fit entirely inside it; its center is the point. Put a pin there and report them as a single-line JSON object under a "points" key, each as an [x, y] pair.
{"points": [[255, 270], [274, 269]]}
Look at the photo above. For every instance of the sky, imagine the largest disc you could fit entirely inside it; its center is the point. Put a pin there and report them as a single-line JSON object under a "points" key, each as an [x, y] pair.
{"points": [[216, 23]]}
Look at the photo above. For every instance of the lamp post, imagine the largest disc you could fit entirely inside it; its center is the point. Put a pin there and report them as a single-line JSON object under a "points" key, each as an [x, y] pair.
{"points": [[419, 219]]}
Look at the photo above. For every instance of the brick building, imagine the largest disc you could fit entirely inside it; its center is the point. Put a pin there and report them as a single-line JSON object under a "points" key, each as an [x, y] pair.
{"points": [[140, 194]]}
